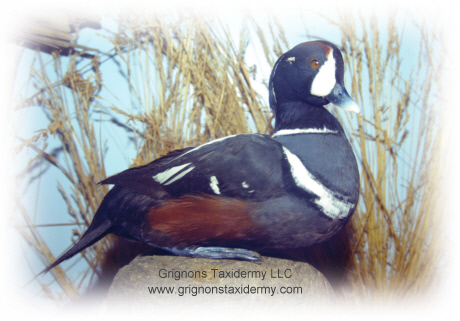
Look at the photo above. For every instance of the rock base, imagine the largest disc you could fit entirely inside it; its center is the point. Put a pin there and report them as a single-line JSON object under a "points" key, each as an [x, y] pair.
{"points": [[164, 282]]}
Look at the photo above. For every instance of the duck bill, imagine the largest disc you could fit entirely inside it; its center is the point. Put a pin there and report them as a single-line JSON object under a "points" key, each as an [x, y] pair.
{"points": [[339, 97]]}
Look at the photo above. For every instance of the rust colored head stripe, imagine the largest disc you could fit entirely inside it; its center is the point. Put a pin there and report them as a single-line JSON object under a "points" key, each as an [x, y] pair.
{"points": [[325, 47]]}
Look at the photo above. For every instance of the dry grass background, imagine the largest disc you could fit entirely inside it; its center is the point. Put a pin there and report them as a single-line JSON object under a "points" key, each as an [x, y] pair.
{"points": [[189, 83]]}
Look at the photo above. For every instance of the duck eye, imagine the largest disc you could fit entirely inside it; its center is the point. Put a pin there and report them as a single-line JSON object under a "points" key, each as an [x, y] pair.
{"points": [[314, 64]]}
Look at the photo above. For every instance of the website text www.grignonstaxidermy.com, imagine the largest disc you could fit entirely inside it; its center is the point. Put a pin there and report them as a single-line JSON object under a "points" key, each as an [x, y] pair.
{"points": [[197, 290]]}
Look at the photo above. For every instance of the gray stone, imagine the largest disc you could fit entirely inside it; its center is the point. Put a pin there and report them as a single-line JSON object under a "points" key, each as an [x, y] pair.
{"points": [[212, 284]]}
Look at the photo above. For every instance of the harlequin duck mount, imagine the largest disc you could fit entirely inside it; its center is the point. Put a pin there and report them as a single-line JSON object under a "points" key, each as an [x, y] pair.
{"points": [[237, 195]]}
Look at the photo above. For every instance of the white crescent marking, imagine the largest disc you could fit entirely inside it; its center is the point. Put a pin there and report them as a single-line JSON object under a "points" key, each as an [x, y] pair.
{"points": [[327, 200]]}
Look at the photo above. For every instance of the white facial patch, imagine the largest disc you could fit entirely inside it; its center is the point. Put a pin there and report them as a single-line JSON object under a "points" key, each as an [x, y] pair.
{"points": [[325, 80], [167, 177], [324, 130], [214, 185], [327, 200]]}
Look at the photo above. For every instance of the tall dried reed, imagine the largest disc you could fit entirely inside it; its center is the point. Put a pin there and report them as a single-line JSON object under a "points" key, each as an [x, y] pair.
{"points": [[394, 230]]}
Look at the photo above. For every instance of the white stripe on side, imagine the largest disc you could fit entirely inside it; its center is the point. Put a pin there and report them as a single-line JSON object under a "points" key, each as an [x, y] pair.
{"points": [[164, 177], [180, 175], [326, 199], [214, 185], [323, 130]]}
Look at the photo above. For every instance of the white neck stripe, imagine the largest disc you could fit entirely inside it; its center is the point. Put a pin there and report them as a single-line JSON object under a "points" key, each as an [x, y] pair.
{"points": [[323, 130]]}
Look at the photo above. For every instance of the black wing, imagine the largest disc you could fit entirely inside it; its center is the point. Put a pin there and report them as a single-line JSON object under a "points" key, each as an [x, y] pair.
{"points": [[247, 166]]}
